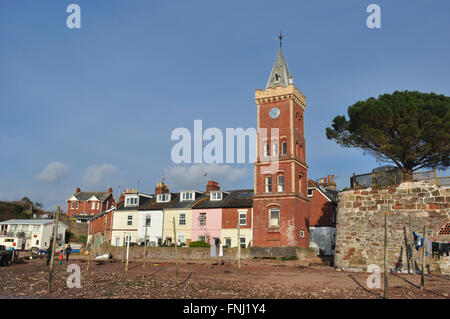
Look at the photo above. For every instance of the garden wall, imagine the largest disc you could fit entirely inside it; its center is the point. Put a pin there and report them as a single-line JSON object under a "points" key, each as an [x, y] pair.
{"points": [[360, 225]]}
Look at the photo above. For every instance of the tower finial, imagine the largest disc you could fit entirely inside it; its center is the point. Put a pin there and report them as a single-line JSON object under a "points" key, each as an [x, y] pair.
{"points": [[281, 39]]}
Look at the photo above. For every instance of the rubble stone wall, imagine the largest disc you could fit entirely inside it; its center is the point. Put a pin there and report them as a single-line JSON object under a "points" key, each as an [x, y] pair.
{"points": [[360, 225]]}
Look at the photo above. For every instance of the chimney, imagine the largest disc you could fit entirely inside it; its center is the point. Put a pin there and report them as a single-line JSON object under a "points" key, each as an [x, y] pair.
{"points": [[161, 188], [78, 190], [328, 182], [212, 186], [110, 190], [122, 198]]}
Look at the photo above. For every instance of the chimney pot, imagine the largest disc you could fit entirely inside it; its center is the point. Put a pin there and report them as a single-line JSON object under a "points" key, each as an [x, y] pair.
{"points": [[77, 190]]}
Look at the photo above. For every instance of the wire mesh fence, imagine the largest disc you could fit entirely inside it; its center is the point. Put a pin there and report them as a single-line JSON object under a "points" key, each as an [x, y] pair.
{"points": [[394, 177]]}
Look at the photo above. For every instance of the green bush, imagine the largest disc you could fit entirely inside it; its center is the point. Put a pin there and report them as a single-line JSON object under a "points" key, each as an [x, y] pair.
{"points": [[199, 243], [82, 239], [289, 258]]}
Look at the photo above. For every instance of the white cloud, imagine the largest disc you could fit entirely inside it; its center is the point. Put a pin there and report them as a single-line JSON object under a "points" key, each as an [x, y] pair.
{"points": [[96, 174], [193, 177], [55, 171]]}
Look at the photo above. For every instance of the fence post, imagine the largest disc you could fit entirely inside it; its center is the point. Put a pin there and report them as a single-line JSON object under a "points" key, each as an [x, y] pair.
{"points": [[436, 177], [55, 237], [422, 280], [386, 284], [175, 240]]}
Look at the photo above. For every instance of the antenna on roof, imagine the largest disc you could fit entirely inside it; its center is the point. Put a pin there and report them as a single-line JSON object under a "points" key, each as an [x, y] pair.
{"points": [[138, 183]]}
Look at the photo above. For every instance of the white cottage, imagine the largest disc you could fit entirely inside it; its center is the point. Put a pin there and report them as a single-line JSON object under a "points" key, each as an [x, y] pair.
{"points": [[35, 233]]}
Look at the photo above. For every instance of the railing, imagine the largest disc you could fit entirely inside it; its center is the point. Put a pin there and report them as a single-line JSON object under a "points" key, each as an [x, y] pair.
{"points": [[394, 177]]}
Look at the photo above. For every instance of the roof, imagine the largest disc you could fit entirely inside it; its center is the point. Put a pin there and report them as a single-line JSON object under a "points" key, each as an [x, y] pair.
{"points": [[29, 222], [231, 199], [174, 203], [280, 75], [85, 196], [330, 194]]}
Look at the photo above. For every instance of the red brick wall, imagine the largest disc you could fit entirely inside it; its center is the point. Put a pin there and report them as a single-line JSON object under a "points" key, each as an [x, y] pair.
{"points": [[323, 212], [293, 218], [293, 202], [230, 218], [86, 207], [98, 225]]}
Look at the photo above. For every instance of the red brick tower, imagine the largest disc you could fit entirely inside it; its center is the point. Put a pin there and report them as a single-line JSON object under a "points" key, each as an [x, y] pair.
{"points": [[280, 202]]}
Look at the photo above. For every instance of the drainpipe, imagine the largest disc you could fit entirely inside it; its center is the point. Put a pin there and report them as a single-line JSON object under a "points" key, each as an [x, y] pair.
{"points": [[252, 225]]}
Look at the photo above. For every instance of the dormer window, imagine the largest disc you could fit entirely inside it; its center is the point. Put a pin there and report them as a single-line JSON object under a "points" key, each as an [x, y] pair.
{"points": [[131, 201], [310, 192], [162, 198], [187, 196], [216, 196]]}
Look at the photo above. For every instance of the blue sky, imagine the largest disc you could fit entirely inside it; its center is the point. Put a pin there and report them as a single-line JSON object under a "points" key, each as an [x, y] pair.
{"points": [[95, 107]]}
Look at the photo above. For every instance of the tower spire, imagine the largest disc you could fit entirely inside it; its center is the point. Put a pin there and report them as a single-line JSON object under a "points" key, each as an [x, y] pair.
{"points": [[280, 75]]}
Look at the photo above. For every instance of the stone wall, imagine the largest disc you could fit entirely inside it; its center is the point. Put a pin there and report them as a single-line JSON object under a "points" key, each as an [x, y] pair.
{"points": [[360, 225], [200, 253]]}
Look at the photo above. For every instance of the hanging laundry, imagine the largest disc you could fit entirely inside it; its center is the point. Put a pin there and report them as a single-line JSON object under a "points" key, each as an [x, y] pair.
{"points": [[435, 249], [418, 238], [444, 249]]}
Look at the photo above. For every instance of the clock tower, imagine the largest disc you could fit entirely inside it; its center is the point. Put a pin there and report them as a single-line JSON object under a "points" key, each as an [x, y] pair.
{"points": [[280, 202]]}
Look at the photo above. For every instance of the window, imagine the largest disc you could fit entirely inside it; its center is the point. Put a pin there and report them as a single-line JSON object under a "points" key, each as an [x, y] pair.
{"points": [[274, 148], [243, 218], [300, 184], [148, 221], [227, 241], [280, 183], [117, 241], [268, 184], [216, 196], [202, 238], [76, 205], [182, 219], [98, 205], [274, 217], [284, 148], [36, 229], [181, 239], [310, 192], [93, 205], [266, 149], [202, 219], [163, 198], [187, 196], [276, 78], [302, 233], [242, 242], [128, 201], [37, 241], [72, 205], [130, 220]]}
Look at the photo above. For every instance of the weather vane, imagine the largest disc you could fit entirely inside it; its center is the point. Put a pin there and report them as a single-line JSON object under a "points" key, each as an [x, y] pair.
{"points": [[281, 37]]}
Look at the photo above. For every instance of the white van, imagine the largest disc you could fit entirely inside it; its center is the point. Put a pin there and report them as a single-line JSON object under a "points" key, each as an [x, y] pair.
{"points": [[11, 242]]}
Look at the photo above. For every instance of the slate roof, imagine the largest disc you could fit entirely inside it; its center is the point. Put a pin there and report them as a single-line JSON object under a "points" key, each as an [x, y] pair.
{"points": [[331, 194], [281, 70], [84, 196], [231, 199], [174, 203]]}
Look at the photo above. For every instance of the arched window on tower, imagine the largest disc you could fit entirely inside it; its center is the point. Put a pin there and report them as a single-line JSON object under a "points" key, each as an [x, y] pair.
{"points": [[268, 184], [276, 78]]}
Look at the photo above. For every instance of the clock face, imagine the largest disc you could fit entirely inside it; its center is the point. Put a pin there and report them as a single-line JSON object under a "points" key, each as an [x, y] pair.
{"points": [[274, 113]]}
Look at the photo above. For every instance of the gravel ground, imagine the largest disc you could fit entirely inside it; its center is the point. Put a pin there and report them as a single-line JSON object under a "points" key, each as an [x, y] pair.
{"points": [[208, 279]]}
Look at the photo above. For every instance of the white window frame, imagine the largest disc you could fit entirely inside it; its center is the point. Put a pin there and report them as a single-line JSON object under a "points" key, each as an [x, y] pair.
{"points": [[241, 213], [182, 219], [93, 205], [163, 198], [130, 220], [267, 184], [302, 233], [201, 221], [215, 195], [72, 206], [271, 224], [280, 186], [312, 192], [187, 196], [243, 244], [274, 148], [266, 149]]}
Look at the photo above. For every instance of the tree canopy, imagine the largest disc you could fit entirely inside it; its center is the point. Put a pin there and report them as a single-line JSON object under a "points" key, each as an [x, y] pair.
{"points": [[409, 128]]}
